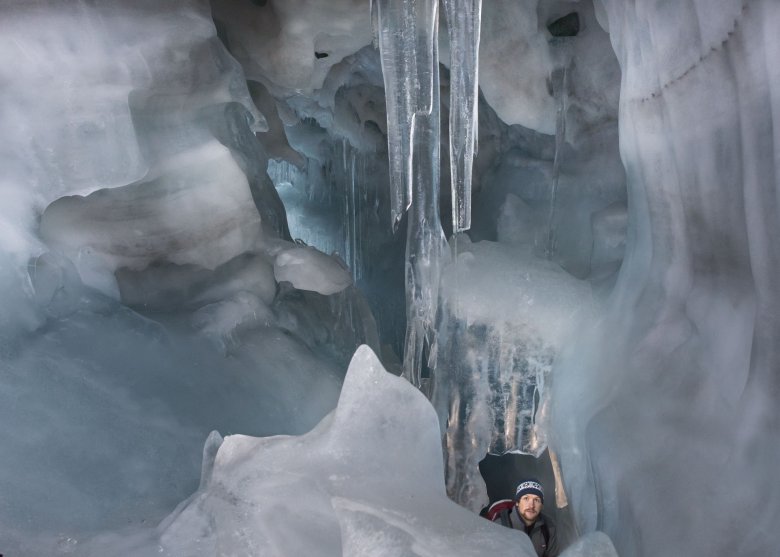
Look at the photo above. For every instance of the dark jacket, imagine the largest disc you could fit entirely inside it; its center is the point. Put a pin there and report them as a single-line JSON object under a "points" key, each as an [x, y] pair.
{"points": [[541, 532]]}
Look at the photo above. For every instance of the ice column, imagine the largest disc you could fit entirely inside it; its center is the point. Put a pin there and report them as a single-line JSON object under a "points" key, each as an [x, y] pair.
{"points": [[463, 22]]}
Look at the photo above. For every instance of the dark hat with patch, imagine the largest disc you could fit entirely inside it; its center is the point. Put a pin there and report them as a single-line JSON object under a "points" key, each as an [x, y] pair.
{"points": [[529, 486]]}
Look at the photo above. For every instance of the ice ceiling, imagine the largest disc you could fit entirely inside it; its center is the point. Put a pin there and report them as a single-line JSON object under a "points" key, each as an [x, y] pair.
{"points": [[208, 207]]}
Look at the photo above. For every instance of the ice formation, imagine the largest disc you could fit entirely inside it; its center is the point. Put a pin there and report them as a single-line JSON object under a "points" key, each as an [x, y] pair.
{"points": [[496, 355], [194, 237], [366, 481], [684, 400], [463, 26], [140, 305]]}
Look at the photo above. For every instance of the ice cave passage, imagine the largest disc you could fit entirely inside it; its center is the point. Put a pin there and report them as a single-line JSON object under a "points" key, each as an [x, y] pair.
{"points": [[279, 277]]}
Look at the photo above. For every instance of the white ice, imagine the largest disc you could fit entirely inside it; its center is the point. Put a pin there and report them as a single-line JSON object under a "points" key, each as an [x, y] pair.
{"points": [[309, 269], [367, 481], [124, 342]]}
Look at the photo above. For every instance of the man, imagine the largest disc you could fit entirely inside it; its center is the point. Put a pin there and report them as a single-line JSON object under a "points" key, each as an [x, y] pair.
{"points": [[527, 516]]}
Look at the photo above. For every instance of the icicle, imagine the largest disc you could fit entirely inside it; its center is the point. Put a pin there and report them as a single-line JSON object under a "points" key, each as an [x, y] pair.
{"points": [[353, 222], [407, 34], [463, 22], [559, 89], [425, 245], [408, 31]]}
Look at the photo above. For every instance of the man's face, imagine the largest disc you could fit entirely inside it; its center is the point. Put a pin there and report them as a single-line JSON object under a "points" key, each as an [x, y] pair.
{"points": [[529, 506]]}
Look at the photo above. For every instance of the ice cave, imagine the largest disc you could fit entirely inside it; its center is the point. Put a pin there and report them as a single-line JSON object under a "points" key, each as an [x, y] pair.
{"points": [[326, 277]]}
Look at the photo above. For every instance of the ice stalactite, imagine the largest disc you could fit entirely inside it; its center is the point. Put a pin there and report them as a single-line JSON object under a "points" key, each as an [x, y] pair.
{"points": [[463, 24], [408, 44], [353, 203], [562, 49], [425, 247], [559, 79], [408, 32]]}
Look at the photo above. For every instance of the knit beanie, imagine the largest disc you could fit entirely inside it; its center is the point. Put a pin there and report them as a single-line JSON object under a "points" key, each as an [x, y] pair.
{"points": [[529, 486]]}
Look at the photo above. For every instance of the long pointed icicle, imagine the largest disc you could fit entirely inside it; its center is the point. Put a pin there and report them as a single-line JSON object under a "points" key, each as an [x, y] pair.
{"points": [[425, 246], [408, 41], [560, 91], [463, 22], [406, 34]]}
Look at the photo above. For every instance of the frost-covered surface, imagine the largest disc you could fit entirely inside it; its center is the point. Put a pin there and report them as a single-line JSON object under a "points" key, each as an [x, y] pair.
{"points": [[518, 55], [367, 480], [519, 289]]}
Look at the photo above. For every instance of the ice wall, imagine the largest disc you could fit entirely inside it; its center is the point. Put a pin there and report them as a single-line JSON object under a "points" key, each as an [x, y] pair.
{"points": [[673, 448], [290, 45], [149, 290], [499, 335]]}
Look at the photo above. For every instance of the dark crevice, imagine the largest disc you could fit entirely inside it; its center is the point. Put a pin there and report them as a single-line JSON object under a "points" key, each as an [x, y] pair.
{"points": [[566, 26]]}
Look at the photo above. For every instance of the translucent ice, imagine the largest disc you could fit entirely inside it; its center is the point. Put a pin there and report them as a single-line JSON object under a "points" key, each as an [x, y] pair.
{"points": [[408, 40], [499, 335], [463, 23], [408, 32], [367, 480]]}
